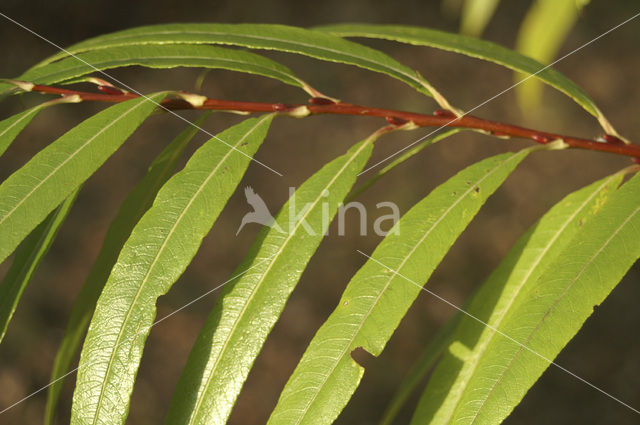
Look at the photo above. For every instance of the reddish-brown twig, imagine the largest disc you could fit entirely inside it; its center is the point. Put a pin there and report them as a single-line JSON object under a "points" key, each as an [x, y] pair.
{"points": [[317, 106]]}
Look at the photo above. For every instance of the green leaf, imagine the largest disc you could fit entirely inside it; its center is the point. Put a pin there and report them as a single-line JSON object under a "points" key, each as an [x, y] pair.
{"points": [[376, 299], [12, 126], [245, 314], [540, 295], [160, 56], [159, 249], [27, 260], [473, 47], [134, 206], [425, 362], [542, 32], [32, 192], [259, 36], [476, 14]]}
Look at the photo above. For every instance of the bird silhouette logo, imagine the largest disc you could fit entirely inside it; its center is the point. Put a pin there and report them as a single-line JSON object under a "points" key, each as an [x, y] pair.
{"points": [[260, 213]]}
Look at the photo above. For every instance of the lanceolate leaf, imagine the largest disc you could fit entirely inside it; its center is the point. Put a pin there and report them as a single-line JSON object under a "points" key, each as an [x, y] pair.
{"points": [[259, 36], [475, 48], [243, 317], [27, 260], [32, 192], [531, 255], [160, 56], [159, 249], [540, 296], [12, 126], [132, 209], [376, 299]]}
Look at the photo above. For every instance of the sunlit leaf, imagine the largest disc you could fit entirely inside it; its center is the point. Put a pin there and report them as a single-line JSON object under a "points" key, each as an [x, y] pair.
{"points": [[32, 192], [539, 296], [134, 206], [377, 299], [159, 249], [242, 318]]}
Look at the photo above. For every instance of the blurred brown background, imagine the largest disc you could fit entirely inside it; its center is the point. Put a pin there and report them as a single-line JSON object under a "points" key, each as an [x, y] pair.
{"points": [[605, 352]]}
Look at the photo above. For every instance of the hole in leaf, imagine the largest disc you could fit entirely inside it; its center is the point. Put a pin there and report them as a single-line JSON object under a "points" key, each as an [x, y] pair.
{"points": [[362, 357]]}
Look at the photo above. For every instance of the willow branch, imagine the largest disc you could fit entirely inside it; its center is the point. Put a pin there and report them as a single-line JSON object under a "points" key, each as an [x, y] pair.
{"points": [[316, 106]]}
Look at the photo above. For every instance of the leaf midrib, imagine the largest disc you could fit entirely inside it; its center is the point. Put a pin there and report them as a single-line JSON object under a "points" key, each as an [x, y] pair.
{"points": [[549, 311], [262, 278], [151, 267], [523, 282], [365, 317]]}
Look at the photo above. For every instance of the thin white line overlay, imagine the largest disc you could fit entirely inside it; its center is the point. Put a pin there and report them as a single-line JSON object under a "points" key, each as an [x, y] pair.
{"points": [[500, 332], [137, 92], [501, 93], [135, 335], [366, 170]]}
